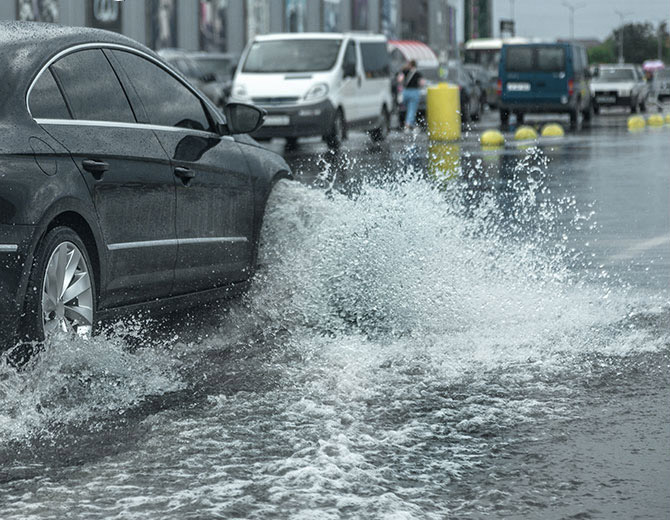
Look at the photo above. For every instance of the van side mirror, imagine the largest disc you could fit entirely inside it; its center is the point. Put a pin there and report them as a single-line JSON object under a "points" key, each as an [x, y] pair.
{"points": [[242, 118], [349, 70]]}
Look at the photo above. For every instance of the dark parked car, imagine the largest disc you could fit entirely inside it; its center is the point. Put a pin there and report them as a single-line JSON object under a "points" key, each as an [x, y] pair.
{"points": [[121, 186], [212, 73], [486, 82], [471, 92]]}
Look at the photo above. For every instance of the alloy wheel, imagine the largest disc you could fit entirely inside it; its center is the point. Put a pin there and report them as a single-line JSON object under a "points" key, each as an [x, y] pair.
{"points": [[67, 296]]}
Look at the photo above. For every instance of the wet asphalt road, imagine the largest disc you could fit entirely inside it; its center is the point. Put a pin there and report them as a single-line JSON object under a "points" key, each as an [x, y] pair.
{"points": [[495, 348]]}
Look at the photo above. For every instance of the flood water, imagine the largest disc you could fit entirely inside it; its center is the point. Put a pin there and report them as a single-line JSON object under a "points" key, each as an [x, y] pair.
{"points": [[496, 345]]}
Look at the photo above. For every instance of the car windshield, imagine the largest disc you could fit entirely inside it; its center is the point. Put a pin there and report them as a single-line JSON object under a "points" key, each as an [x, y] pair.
{"points": [[606, 75], [221, 68], [292, 55]]}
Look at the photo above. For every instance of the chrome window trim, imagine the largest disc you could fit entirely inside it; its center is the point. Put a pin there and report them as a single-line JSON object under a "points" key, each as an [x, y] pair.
{"points": [[173, 242], [100, 45], [9, 248], [116, 124]]}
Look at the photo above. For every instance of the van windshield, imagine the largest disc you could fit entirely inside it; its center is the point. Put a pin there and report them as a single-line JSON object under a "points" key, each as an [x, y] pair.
{"points": [[292, 55]]}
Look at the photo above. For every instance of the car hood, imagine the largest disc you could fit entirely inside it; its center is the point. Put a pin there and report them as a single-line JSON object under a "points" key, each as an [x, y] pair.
{"points": [[613, 85], [279, 85]]}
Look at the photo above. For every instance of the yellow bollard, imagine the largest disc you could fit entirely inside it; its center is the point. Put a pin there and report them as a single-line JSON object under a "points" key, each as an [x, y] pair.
{"points": [[525, 133], [636, 123], [655, 120], [444, 160], [552, 130], [443, 112], [492, 138]]}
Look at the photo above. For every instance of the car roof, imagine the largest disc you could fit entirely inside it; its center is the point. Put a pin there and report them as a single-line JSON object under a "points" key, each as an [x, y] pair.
{"points": [[320, 36], [25, 47]]}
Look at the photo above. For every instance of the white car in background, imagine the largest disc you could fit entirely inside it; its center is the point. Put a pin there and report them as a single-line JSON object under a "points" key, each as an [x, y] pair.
{"points": [[619, 85], [317, 84]]}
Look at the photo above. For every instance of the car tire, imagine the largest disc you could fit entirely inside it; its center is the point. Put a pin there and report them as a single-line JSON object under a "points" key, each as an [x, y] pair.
{"points": [[380, 133], [465, 112], [291, 143], [596, 109], [633, 108], [504, 118], [643, 106], [587, 114], [337, 132], [61, 293], [519, 118], [574, 118]]}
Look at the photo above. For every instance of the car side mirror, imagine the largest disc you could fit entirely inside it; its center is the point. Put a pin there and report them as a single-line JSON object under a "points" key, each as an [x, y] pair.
{"points": [[243, 119], [349, 70]]}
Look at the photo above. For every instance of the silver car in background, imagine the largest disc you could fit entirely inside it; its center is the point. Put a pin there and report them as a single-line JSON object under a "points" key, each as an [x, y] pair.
{"points": [[619, 85]]}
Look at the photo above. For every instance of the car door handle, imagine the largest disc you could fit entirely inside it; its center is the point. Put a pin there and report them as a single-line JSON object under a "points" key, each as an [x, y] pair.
{"points": [[185, 174], [97, 168]]}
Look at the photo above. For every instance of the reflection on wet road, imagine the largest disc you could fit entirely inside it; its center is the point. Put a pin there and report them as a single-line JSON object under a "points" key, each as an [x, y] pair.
{"points": [[436, 331]]}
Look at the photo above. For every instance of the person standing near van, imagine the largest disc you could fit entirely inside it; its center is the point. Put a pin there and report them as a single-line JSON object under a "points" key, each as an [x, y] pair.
{"points": [[412, 83]]}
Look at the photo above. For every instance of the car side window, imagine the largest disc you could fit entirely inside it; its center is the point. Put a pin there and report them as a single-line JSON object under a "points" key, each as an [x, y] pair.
{"points": [[375, 59], [166, 100], [92, 90], [46, 101], [350, 55]]}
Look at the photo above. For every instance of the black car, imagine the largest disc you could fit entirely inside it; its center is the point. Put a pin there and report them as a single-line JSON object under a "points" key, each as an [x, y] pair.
{"points": [[121, 186], [470, 91]]}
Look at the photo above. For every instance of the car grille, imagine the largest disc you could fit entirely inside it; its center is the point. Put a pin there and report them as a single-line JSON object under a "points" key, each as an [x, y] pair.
{"points": [[606, 93], [275, 100]]}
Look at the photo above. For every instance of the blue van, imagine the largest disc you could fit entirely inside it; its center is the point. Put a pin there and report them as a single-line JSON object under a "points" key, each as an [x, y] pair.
{"points": [[544, 78]]}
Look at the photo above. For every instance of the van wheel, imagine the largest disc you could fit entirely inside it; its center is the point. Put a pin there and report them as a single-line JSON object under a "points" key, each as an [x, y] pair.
{"points": [[519, 118], [381, 133], [574, 118], [61, 288], [337, 132], [643, 106], [504, 118], [588, 113]]}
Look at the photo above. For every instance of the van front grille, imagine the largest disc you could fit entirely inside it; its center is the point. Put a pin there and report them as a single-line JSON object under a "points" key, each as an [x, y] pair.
{"points": [[275, 100]]}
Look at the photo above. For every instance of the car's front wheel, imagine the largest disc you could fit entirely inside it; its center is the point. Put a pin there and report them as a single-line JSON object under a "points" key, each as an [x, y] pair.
{"points": [[61, 289], [382, 131], [337, 132]]}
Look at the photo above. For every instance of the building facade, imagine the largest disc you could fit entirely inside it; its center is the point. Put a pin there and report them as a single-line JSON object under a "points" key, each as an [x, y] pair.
{"points": [[477, 19], [226, 25]]}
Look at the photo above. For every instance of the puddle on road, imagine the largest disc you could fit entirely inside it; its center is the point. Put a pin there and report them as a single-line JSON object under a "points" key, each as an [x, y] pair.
{"points": [[399, 342]]}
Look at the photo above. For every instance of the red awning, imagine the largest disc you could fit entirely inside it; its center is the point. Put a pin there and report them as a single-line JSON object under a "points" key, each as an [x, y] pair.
{"points": [[414, 50]]}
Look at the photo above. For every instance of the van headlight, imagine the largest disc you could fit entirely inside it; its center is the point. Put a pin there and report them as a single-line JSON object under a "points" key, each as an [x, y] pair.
{"points": [[240, 91], [319, 90]]}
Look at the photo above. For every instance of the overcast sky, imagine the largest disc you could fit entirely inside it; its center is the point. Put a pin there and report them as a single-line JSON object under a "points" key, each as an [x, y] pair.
{"points": [[550, 18]]}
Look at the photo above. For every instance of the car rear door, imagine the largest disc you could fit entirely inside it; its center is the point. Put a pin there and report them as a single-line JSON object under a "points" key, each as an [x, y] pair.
{"points": [[214, 211], [535, 74], [127, 173]]}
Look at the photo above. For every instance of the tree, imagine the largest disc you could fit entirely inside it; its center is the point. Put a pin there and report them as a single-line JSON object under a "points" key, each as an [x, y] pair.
{"points": [[640, 43]]}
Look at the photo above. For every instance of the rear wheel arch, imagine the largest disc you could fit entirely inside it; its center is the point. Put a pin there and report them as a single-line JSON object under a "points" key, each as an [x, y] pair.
{"points": [[77, 223]]}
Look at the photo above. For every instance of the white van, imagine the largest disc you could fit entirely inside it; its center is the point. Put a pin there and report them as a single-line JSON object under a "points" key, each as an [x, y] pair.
{"points": [[317, 84]]}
